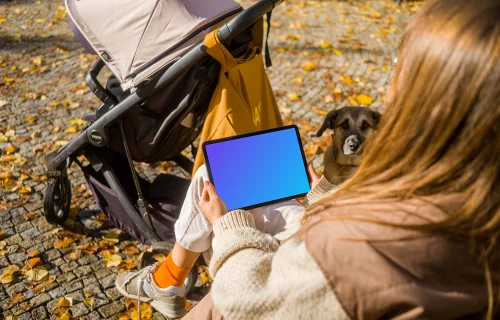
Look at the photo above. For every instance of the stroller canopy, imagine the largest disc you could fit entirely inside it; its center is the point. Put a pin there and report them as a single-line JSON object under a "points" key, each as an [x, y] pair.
{"points": [[136, 38]]}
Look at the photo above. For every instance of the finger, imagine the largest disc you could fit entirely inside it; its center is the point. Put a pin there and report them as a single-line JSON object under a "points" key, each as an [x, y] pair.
{"points": [[312, 172], [211, 190], [205, 195]]}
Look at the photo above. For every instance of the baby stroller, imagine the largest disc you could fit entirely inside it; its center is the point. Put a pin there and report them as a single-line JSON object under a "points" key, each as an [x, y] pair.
{"points": [[153, 106]]}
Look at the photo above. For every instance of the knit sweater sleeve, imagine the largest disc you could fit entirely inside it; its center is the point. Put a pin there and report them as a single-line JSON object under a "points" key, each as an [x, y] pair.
{"points": [[255, 278], [321, 189]]}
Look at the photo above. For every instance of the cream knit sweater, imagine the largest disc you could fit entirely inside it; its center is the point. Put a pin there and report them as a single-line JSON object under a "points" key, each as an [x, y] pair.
{"points": [[257, 278]]}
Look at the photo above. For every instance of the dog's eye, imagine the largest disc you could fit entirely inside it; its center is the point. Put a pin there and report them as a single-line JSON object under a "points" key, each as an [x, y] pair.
{"points": [[365, 125], [344, 125]]}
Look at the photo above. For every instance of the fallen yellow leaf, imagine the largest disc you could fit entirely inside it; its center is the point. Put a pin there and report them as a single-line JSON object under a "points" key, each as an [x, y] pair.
{"points": [[37, 62], [65, 302], [309, 66], [33, 253], [160, 257], [71, 130], [10, 149], [65, 316], [352, 100], [325, 44], [24, 189], [293, 96], [291, 36], [37, 273], [78, 122], [337, 52], [364, 99], [31, 118], [89, 302], [113, 261]]}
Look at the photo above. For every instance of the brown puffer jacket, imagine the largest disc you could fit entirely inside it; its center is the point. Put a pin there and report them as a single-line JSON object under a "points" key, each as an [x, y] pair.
{"points": [[381, 272]]}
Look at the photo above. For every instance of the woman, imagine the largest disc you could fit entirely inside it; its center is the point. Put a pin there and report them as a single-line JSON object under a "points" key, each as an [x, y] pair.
{"points": [[415, 233]]}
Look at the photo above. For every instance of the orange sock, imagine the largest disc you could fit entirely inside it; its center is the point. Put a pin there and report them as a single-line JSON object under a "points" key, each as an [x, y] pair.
{"points": [[169, 274]]}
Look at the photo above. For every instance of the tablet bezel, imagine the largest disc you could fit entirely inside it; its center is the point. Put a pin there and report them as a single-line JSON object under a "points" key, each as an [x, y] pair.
{"points": [[301, 147]]}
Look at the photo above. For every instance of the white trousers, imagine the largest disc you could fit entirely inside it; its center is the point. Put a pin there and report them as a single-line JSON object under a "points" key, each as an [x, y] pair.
{"points": [[194, 232]]}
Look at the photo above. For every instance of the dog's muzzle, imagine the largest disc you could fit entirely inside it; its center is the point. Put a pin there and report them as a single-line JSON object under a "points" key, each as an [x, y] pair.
{"points": [[351, 145]]}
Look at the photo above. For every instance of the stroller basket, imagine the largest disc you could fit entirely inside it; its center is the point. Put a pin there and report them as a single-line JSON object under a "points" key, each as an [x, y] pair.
{"points": [[148, 121]]}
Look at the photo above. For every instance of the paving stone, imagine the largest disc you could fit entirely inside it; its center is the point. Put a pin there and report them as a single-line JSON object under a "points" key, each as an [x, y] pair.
{"points": [[37, 246], [90, 280], [48, 244], [65, 278], [20, 227], [17, 257], [101, 273], [40, 299], [92, 316], [108, 281], [29, 243], [25, 316], [68, 267], [39, 313], [57, 292], [3, 262], [13, 240], [58, 262], [83, 271], [4, 215], [87, 259], [99, 265], [79, 309], [51, 255], [72, 286], [77, 296], [157, 316], [15, 288], [30, 233], [52, 305], [17, 212], [113, 294], [111, 309]]}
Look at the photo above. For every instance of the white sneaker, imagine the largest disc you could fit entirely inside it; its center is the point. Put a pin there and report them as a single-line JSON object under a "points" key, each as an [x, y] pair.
{"points": [[171, 301]]}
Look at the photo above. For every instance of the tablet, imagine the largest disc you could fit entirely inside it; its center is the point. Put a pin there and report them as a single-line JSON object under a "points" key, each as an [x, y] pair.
{"points": [[255, 169]]}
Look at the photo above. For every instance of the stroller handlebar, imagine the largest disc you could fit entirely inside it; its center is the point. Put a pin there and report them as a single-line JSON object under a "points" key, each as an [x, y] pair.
{"points": [[245, 19]]}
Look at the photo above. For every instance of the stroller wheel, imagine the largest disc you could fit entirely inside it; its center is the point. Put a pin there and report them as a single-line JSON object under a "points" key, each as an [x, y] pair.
{"points": [[57, 199], [148, 259]]}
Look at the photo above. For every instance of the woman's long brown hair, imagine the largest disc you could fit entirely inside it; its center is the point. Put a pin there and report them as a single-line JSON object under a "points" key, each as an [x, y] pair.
{"points": [[441, 132]]}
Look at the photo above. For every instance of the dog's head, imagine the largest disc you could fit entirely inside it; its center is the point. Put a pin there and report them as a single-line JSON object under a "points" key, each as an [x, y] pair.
{"points": [[351, 127]]}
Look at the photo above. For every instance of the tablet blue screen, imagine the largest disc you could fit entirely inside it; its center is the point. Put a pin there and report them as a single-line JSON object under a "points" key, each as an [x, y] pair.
{"points": [[256, 169]]}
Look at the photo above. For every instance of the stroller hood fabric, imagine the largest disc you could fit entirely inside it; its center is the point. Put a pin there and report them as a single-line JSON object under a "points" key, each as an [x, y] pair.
{"points": [[137, 38]]}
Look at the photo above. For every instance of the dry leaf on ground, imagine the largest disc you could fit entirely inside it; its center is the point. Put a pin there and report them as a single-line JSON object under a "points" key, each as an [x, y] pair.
{"points": [[113, 261], [15, 298], [37, 273]]}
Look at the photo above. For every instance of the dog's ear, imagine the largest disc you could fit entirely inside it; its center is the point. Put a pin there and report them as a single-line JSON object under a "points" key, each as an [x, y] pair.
{"points": [[328, 123], [376, 117]]}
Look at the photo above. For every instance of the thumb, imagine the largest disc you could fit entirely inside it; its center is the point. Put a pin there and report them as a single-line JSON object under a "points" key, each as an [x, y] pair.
{"points": [[312, 172], [210, 189], [205, 196]]}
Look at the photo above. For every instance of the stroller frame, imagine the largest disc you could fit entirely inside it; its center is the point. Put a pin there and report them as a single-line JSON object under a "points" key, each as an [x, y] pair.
{"points": [[57, 197]]}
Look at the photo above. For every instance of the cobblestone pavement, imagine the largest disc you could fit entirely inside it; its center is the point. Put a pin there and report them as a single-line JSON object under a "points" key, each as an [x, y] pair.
{"points": [[326, 54]]}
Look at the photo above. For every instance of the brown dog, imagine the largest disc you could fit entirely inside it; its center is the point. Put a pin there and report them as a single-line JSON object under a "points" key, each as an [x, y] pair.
{"points": [[351, 127]]}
